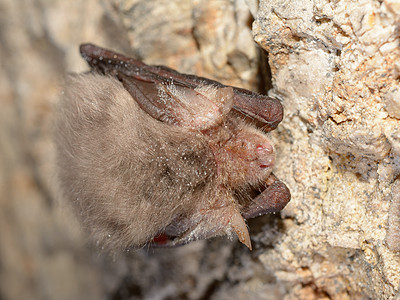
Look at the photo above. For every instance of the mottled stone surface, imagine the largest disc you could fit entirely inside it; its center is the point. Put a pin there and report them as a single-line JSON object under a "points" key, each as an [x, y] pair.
{"points": [[335, 65]]}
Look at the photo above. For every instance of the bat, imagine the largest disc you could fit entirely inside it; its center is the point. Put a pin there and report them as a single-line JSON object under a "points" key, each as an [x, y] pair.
{"points": [[150, 156]]}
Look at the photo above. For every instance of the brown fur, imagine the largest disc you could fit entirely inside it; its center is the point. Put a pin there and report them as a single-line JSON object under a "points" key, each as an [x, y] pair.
{"points": [[131, 177], [121, 168]]}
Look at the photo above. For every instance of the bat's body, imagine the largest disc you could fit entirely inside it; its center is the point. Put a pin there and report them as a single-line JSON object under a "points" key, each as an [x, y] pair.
{"points": [[149, 155]]}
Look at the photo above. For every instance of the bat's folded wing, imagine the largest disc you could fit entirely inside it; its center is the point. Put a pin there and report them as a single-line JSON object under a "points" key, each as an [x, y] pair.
{"points": [[163, 93], [181, 94]]}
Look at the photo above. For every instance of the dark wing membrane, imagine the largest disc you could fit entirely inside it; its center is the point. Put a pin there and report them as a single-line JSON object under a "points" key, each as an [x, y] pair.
{"points": [[143, 83], [273, 199], [262, 108]]}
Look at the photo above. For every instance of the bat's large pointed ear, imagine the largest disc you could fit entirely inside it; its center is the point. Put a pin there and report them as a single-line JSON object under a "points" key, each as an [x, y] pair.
{"points": [[210, 106], [196, 109]]}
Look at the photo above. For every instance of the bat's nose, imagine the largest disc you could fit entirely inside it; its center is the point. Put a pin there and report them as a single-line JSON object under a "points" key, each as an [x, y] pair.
{"points": [[266, 155]]}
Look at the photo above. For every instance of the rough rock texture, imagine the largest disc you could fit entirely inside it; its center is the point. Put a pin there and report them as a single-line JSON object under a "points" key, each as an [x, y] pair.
{"points": [[336, 67]]}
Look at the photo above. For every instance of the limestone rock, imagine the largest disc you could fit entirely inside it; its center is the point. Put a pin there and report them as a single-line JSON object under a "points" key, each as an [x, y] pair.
{"points": [[335, 67]]}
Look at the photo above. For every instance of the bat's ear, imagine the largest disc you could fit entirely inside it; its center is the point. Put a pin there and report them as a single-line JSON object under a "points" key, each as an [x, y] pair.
{"points": [[177, 104], [209, 106]]}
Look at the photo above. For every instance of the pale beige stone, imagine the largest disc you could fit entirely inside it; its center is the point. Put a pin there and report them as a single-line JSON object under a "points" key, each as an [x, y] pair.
{"points": [[349, 115], [391, 100]]}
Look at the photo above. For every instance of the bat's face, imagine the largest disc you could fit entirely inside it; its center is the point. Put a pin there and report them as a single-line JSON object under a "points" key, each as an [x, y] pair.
{"points": [[246, 158], [150, 155]]}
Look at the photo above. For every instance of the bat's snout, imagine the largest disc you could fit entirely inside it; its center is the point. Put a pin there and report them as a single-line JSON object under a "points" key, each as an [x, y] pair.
{"points": [[266, 155]]}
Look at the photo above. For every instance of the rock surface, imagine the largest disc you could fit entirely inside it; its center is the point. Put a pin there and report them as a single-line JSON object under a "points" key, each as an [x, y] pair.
{"points": [[336, 68], [335, 65]]}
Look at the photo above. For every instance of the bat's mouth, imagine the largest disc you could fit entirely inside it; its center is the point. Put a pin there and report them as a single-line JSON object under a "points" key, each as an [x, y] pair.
{"points": [[163, 240], [176, 234]]}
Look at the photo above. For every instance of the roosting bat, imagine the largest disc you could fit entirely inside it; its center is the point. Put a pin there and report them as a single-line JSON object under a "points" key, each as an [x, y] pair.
{"points": [[148, 155]]}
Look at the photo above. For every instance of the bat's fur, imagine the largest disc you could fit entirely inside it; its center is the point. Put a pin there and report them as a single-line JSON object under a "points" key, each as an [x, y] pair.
{"points": [[132, 177], [128, 175]]}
